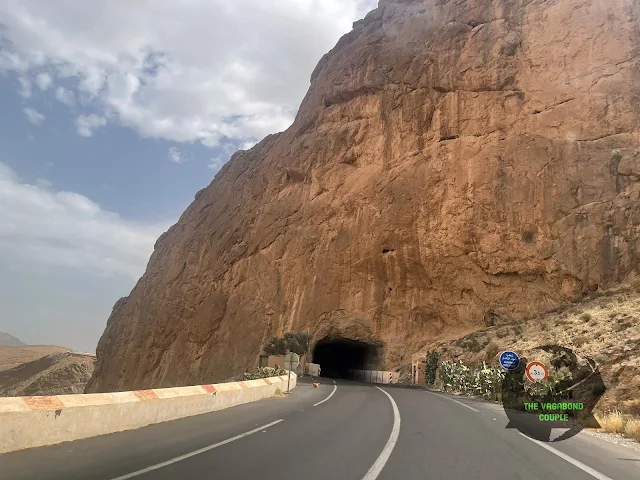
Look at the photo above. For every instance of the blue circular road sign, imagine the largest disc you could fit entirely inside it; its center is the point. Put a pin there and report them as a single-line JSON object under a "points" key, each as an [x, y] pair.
{"points": [[509, 360]]}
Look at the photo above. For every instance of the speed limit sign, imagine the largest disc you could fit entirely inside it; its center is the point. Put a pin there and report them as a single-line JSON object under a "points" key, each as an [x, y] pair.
{"points": [[536, 372]]}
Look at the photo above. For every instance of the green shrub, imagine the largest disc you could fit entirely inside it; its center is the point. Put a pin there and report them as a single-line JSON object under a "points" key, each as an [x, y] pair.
{"points": [[297, 342], [265, 372], [484, 381], [275, 346], [431, 367], [585, 317]]}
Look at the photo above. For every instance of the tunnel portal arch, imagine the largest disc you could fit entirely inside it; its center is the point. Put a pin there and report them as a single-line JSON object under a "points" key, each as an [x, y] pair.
{"points": [[337, 355]]}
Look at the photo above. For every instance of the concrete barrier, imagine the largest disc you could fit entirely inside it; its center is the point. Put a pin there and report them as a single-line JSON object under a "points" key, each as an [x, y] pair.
{"points": [[313, 369], [374, 376], [27, 422]]}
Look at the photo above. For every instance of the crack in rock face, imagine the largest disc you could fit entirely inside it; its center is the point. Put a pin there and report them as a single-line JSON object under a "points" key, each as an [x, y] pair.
{"points": [[449, 159]]}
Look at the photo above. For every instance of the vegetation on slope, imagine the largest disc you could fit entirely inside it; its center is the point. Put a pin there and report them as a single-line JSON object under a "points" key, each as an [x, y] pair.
{"points": [[604, 326]]}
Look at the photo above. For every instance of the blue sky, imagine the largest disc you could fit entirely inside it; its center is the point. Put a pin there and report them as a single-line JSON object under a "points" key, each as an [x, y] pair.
{"points": [[114, 167], [113, 114]]}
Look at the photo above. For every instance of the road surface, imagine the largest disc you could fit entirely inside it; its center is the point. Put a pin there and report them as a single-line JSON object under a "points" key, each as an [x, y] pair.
{"points": [[345, 431]]}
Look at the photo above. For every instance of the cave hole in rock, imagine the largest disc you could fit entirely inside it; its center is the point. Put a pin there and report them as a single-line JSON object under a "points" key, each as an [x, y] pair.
{"points": [[337, 355]]}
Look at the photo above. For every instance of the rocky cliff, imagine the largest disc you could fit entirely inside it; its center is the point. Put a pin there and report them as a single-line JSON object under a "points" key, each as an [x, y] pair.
{"points": [[451, 160]]}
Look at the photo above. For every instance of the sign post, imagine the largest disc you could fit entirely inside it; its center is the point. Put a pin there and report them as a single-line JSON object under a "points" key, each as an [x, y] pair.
{"points": [[291, 361]]}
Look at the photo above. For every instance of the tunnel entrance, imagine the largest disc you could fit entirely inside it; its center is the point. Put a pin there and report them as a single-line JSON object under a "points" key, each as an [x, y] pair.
{"points": [[338, 355]]}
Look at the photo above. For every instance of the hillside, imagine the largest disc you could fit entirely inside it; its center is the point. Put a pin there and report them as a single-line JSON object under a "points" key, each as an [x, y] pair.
{"points": [[604, 326], [13, 356], [10, 340], [451, 160], [43, 370]]}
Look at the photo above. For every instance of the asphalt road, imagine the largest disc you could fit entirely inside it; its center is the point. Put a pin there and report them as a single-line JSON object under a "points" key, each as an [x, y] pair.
{"points": [[354, 431]]}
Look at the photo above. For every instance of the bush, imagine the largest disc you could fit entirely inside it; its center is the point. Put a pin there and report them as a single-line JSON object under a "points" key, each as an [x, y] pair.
{"points": [[631, 407], [297, 342], [275, 346], [483, 381], [585, 317], [612, 422], [580, 341], [632, 429], [528, 236], [265, 372], [431, 367], [492, 350], [502, 332]]}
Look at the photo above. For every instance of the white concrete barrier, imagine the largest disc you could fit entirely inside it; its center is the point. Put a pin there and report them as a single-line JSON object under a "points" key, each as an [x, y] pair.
{"points": [[374, 376], [313, 369], [27, 422]]}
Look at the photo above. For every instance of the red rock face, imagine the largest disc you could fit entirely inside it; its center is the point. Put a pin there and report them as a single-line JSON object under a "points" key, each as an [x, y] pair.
{"points": [[451, 159]]}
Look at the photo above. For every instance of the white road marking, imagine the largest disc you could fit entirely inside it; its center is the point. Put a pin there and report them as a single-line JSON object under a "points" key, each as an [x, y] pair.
{"points": [[459, 403], [379, 464], [571, 460], [330, 395], [334, 382], [196, 452]]}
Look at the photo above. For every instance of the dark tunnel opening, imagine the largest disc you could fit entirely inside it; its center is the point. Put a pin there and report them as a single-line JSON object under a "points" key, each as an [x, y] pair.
{"points": [[336, 356]]}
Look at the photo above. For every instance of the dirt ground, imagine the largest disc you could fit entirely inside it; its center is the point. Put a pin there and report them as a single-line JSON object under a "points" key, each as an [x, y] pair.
{"points": [[43, 370], [13, 356]]}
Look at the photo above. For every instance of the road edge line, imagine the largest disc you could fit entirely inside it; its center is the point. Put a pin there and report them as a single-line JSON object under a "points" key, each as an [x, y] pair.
{"points": [[382, 459], [571, 460], [330, 395], [459, 403], [195, 452]]}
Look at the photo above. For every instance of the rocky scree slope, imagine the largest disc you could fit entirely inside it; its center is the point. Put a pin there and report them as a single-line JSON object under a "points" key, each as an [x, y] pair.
{"points": [[450, 160], [55, 371]]}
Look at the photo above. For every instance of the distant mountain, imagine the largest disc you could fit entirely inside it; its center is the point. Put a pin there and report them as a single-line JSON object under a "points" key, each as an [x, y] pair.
{"points": [[10, 340]]}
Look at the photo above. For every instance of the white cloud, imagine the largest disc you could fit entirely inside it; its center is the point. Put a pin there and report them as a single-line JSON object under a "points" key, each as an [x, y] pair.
{"points": [[43, 183], [87, 124], [65, 96], [217, 163], [33, 115], [176, 156], [25, 87], [205, 70], [43, 81], [44, 228], [226, 150]]}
